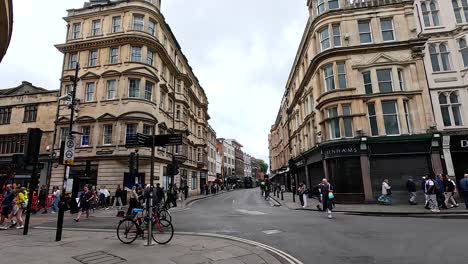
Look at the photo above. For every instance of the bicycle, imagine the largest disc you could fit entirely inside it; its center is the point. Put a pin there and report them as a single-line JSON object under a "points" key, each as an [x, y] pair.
{"points": [[130, 228], [163, 212]]}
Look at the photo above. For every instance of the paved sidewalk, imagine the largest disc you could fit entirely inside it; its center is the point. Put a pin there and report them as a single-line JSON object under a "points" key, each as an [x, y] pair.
{"points": [[105, 248], [366, 208]]}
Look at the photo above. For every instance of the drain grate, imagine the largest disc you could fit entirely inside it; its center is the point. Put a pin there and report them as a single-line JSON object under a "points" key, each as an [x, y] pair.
{"points": [[100, 257]]}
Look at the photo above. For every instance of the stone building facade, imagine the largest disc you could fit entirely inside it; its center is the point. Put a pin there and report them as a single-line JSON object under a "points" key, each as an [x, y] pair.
{"points": [[228, 162], [133, 78], [22, 107], [443, 23], [212, 153], [239, 159], [6, 25], [357, 103]]}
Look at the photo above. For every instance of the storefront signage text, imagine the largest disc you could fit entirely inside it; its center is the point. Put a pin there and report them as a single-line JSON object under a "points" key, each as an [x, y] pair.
{"points": [[341, 151], [459, 143]]}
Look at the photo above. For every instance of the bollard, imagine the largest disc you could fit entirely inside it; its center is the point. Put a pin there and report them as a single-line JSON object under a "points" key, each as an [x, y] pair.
{"points": [[277, 193], [294, 197], [282, 197]]}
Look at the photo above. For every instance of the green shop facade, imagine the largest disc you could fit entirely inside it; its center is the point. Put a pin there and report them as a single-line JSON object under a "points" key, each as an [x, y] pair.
{"points": [[356, 167]]}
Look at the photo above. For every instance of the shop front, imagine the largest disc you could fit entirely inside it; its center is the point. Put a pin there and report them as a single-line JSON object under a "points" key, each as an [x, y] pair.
{"points": [[459, 155], [315, 167], [343, 168], [398, 159]]}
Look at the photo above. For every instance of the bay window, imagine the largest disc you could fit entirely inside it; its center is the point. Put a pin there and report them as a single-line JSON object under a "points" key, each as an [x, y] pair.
{"points": [[390, 115]]}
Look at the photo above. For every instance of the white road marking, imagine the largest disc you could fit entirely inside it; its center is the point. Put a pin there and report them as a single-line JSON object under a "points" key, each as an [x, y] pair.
{"points": [[287, 257], [249, 212], [271, 232]]}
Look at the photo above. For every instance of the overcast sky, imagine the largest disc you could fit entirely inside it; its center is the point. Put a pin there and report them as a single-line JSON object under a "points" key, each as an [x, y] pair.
{"points": [[241, 51]]}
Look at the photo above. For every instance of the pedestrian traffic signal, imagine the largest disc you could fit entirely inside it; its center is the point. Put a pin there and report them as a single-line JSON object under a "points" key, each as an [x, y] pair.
{"points": [[172, 169]]}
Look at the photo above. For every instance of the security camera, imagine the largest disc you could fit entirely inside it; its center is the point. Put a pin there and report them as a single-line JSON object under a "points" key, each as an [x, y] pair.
{"points": [[65, 97]]}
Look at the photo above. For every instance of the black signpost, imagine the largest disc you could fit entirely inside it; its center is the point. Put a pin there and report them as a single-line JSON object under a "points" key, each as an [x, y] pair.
{"points": [[146, 141]]}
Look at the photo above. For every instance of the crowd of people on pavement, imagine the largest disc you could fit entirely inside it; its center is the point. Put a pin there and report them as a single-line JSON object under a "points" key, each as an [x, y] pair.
{"points": [[439, 191], [15, 199]]}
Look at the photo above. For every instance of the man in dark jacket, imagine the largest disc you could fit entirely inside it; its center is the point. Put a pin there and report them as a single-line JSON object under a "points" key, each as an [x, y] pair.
{"points": [[411, 188], [7, 207], [440, 192], [159, 194], [186, 191], [42, 198]]}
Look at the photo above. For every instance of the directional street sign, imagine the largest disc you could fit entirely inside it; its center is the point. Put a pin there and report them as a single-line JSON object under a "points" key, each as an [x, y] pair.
{"points": [[136, 140], [146, 141], [166, 140], [69, 153]]}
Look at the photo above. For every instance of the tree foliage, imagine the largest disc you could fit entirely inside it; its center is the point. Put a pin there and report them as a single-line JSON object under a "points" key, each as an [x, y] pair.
{"points": [[263, 166]]}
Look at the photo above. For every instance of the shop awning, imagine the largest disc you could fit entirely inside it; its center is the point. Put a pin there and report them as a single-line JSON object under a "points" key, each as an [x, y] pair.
{"points": [[211, 178]]}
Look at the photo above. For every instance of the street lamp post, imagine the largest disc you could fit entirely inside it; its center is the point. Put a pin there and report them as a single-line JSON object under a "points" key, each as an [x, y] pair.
{"points": [[58, 235]]}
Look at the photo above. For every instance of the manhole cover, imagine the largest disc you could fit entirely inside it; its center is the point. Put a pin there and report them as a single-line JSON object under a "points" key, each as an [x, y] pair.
{"points": [[100, 257]]}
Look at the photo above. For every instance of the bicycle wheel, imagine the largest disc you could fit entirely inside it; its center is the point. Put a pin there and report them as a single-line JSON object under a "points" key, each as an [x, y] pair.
{"points": [[165, 215], [162, 232], [127, 231]]}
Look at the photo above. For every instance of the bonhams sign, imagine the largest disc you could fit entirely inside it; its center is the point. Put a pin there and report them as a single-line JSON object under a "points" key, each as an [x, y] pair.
{"points": [[341, 151], [459, 143]]}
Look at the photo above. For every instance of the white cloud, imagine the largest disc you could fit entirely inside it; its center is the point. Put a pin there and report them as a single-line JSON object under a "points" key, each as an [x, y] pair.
{"points": [[241, 51]]}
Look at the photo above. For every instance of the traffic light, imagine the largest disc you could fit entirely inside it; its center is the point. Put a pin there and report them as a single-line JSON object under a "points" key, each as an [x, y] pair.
{"points": [[131, 162], [32, 146], [172, 169]]}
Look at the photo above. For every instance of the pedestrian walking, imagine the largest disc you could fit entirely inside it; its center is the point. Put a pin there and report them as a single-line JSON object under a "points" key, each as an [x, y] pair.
{"points": [[118, 197], [56, 198], [7, 208], [84, 203], [327, 197], [385, 199], [305, 194], [423, 188], [104, 194], [464, 189], [449, 192], [440, 192], [186, 189], [300, 193], [411, 188], [430, 190], [133, 201], [42, 198], [159, 194], [20, 206]]}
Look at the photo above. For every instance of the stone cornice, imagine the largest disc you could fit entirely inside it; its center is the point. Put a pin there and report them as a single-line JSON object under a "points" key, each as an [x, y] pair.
{"points": [[380, 47], [367, 97]]}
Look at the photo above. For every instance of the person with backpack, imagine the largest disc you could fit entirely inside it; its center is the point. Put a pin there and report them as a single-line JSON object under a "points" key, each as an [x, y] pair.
{"points": [[449, 192], [430, 189], [464, 189], [327, 197], [386, 193]]}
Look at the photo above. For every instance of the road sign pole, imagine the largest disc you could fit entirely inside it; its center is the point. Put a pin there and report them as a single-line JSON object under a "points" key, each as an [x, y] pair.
{"points": [[61, 214]]}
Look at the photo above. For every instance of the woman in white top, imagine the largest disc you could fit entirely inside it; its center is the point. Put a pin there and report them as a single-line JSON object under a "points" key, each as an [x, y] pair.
{"points": [[386, 192]]}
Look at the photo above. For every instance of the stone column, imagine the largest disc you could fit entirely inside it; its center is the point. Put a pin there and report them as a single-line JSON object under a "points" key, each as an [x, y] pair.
{"points": [[366, 180]]}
